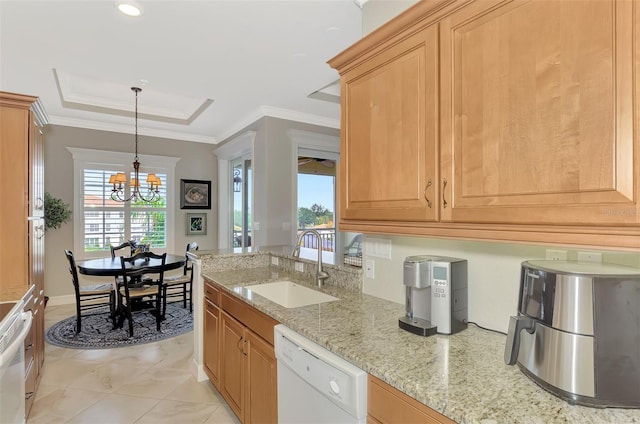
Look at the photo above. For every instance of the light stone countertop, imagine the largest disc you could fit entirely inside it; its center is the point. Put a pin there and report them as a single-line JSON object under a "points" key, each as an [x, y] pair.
{"points": [[462, 376]]}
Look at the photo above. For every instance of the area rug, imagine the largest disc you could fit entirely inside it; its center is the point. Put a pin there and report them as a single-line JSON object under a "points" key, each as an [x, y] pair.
{"points": [[97, 332]]}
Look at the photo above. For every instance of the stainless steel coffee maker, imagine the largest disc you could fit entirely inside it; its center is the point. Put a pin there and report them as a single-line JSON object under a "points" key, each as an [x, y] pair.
{"points": [[436, 295]]}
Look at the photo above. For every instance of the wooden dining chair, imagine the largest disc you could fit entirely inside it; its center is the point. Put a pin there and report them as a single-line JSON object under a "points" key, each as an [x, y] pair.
{"points": [[132, 270], [178, 288], [131, 244], [90, 297]]}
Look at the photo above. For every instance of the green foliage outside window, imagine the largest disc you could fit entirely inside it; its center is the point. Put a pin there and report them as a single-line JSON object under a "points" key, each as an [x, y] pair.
{"points": [[314, 216]]}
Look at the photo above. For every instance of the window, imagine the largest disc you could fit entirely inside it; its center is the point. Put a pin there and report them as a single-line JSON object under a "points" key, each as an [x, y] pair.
{"points": [[119, 221], [102, 222]]}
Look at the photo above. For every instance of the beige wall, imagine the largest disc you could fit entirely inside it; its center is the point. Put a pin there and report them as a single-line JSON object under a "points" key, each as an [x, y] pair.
{"points": [[493, 271], [376, 12], [274, 168], [196, 162], [494, 268]]}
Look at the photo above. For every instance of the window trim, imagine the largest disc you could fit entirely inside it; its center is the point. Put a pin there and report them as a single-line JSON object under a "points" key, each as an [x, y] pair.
{"points": [[88, 158]]}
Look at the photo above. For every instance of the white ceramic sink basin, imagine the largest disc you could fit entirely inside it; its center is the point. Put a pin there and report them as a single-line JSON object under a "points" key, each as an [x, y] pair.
{"points": [[290, 294]]}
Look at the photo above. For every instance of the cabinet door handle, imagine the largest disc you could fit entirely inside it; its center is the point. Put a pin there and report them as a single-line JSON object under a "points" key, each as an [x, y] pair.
{"points": [[444, 186], [240, 340], [425, 193], [39, 204], [244, 345], [28, 395], [28, 347]]}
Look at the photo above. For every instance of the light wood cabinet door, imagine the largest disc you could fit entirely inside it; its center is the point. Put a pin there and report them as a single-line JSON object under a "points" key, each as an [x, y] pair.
{"points": [[540, 112], [262, 390], [389, 131], [232, 366], [388, 405], [14, 186], [211, 345]]}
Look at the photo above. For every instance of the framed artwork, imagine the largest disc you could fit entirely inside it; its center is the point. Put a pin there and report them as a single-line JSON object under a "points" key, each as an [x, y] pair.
{"points": [[196, 224], [195, 194]]}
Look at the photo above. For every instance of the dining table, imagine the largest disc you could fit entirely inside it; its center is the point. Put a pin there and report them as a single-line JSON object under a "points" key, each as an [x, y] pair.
{"points": [[110, 267]]}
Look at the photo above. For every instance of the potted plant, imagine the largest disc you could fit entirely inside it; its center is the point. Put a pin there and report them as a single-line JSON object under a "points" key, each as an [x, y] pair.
{"points": [[56, 212]]}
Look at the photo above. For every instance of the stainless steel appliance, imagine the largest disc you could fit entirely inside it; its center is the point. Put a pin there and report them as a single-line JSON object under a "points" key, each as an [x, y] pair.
{"points": [[315, 385], [577, 332], [14, 326], [436, 295]]}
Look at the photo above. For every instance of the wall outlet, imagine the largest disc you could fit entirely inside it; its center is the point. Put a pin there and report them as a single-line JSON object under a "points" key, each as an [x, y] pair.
{"points": [[590, 257], [369, 270], [556, 255], [299, 267], [275, 261]]}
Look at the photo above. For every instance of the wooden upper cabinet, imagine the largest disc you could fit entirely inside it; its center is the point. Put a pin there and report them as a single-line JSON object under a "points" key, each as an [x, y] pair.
{"points": [[389, 135], [538, 109]]}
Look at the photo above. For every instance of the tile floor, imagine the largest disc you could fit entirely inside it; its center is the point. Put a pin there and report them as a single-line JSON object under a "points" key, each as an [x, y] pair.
{"points": [[148, 383]]}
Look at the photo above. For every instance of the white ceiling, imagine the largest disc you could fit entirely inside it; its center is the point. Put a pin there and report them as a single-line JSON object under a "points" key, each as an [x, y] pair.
{"points": [[207, 68]]}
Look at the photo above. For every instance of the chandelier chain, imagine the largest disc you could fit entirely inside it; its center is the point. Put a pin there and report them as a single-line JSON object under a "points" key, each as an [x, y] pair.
{"points": [[119, 180]]}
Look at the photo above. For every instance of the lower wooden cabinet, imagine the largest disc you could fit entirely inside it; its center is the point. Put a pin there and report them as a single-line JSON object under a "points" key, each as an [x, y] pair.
{"points": [[261, 393], [387, 404], [33, 348], [239, 357], [211, 341], [232, 375]]}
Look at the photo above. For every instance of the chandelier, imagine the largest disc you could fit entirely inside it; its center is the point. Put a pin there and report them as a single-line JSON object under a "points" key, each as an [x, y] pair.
{"points": [[119, 180]]}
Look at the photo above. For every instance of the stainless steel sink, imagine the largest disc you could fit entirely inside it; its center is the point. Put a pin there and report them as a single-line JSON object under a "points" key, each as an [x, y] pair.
{"points": [[289, 294]]}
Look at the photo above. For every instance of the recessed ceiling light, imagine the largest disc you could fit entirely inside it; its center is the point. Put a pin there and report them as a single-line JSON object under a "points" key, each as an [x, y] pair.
{"points": [[130, 8]]}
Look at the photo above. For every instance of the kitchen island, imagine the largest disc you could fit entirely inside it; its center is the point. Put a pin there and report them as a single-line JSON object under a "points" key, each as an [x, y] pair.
{"points": [[461, 376]]}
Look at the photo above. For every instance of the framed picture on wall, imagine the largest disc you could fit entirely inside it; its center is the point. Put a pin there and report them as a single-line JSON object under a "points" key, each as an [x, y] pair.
{"points": [[196, 224], [195, 194]]}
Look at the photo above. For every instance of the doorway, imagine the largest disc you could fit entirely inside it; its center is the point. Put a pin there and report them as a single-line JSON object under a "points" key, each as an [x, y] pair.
{"points": [[241, 192], [316, 204]]}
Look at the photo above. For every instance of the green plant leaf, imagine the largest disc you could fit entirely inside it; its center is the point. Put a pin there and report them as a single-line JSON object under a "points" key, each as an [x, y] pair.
{"points": [[56, 212]]}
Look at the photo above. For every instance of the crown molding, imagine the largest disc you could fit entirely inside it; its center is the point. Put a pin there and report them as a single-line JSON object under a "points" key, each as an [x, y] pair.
{"points": [[236, 147], [239, 125], [275, 112], [127, 129]]}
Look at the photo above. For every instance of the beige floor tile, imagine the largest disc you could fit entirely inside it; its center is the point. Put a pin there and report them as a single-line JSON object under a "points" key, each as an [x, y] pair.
{"points": [[123, 385], [62, 402], [171, 411], [44, 390], [64, 371], [223, 415], [193, 391], [154, 383], [115, 408], [107, 377]]}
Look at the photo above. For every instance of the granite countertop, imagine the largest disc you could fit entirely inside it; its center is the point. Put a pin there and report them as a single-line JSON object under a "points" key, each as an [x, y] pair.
{"points": [[462, 376]]}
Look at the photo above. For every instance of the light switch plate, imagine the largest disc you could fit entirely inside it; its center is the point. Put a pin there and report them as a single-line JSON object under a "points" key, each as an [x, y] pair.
{"points": [[274, 261], [299, 267]]}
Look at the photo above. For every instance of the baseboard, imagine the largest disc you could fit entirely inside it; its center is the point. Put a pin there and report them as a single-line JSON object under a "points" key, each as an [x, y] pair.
{"points": [[61, 300], [198, 371]]}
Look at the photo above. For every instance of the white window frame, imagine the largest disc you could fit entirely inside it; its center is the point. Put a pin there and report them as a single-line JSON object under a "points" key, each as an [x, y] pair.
{"points": [[92, 159]]}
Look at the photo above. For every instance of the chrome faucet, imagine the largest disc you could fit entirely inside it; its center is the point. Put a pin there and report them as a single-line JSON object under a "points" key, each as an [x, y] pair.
{"points": [[321, 274]]}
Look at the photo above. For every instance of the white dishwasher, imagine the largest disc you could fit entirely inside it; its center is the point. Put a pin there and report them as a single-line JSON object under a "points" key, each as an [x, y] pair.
{"points": [[315, 385]]}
